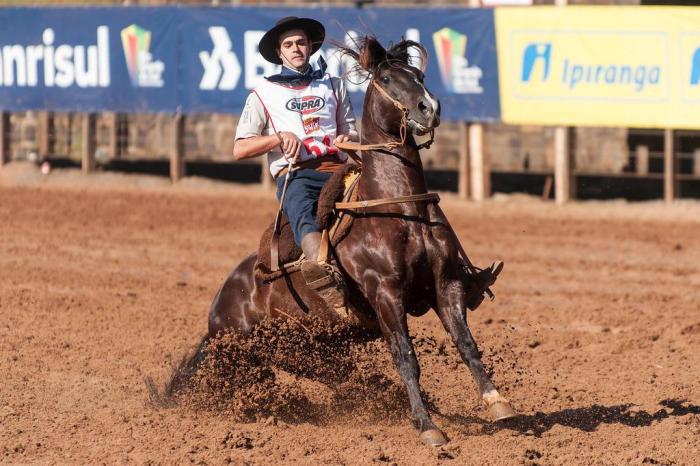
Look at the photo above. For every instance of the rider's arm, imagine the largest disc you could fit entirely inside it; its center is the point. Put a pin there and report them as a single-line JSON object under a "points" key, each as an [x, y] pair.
{"points": [[250, 141], [346, 116], [254, 146]]}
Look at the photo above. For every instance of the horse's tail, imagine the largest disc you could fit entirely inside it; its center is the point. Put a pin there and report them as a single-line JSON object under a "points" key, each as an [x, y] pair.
{"points": [[180, 378]]}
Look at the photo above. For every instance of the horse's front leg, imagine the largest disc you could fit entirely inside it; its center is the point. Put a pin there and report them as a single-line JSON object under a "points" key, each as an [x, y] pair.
{"points": [[451, 310], [390, 308]]}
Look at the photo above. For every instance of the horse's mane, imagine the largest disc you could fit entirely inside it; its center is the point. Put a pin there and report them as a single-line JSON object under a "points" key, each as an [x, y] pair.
{"points": [[369, 53]]}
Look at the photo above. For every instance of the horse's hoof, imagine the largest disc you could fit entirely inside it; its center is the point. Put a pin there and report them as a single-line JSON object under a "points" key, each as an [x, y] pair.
{"points": [[502, 410], [433, 437]]}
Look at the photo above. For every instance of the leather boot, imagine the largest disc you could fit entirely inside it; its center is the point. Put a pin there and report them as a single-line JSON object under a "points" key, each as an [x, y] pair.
{"points": [[323, 278]]}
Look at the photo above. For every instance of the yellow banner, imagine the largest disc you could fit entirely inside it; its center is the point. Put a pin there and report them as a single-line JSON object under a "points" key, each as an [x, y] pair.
{"points": [[600, 66]]}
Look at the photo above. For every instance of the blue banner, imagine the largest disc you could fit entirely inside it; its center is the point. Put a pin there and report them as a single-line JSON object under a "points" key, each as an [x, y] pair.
{"points": [[167, 59], [89, 59], [221, 62]]}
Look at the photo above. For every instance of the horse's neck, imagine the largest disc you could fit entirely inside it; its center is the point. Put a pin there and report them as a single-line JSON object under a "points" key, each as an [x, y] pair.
{"points": [[390, 173]]}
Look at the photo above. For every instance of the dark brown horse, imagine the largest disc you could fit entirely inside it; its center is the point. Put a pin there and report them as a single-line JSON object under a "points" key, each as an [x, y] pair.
{"points": [[398, 259]]}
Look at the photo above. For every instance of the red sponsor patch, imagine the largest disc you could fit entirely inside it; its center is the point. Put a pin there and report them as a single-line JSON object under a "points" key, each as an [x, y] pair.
{"points": [[311, 124]]}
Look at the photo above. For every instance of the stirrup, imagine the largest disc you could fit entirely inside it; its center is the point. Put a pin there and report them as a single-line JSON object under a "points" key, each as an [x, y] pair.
{"points": [[484, 280], [488, 276], [327, 281]]}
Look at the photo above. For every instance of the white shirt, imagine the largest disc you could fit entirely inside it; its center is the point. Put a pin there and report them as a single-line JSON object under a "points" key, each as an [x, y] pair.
{"points": [[254, 120]]}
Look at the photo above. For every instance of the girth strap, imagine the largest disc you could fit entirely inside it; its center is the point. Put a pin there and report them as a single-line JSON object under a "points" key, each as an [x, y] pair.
{"points": [[426, 197]]}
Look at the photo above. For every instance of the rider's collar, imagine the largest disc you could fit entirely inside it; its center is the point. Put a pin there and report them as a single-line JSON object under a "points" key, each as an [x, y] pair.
{"points": [[292, 77], [291, 72]]}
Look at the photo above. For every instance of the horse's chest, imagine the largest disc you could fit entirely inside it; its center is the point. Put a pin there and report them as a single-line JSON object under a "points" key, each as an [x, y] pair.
{"points": [[394, 247], [415, 246]]}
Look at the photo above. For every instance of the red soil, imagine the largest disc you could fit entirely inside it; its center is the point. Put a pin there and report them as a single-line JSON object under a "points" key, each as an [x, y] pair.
{"points": [[594, 335]]}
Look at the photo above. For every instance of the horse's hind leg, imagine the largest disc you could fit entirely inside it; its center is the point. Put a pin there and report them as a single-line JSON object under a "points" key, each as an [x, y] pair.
{"points": [[450, 309], [233, 307]]}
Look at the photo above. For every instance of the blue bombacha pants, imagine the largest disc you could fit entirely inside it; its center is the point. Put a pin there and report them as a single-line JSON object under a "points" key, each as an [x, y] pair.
{"points": [[301, 200]]}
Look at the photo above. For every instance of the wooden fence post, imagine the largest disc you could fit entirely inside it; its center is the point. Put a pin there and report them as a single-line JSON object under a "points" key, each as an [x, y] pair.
{"points": [[562, 155], [562, 165], [642, 155], [46, 137], [463, 170], [696, 162], [670, 166], [177, 152], [88, 145], [472, 177], [115, 123], [4, 138], [478, 167]]}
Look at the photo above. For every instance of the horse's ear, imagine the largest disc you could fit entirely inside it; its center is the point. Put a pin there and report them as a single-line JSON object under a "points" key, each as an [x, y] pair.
{"points": [[372, 54], [409, 52]]}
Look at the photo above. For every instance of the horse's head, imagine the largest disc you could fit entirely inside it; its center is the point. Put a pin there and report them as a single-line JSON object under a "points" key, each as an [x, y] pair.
{"points": [[397, 94]]}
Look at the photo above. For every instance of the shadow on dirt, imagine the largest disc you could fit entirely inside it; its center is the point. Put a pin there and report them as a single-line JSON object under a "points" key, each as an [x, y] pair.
{"points": [[587, 419]]}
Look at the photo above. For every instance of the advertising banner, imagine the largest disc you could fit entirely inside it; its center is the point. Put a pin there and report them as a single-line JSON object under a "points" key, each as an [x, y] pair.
{"points": [[167, 59], [588, 66], [221, 63], [88, 59]]}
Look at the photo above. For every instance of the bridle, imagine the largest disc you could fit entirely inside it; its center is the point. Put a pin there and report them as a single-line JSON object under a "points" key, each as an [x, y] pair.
{"points": [[403, 130]]}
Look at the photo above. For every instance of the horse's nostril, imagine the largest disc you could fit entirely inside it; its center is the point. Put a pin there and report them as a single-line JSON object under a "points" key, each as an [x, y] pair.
{"points": [[424, 109]]}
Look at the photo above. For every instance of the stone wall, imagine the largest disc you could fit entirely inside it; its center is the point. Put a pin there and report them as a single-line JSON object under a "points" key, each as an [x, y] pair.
{"points": [[210, 137]]}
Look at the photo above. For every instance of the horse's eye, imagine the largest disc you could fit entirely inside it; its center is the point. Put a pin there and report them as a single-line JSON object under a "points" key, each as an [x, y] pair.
{"points": [[384, 79]]}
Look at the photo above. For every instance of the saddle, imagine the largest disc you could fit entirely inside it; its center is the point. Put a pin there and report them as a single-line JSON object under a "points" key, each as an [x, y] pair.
{"points": [[341, 187]]}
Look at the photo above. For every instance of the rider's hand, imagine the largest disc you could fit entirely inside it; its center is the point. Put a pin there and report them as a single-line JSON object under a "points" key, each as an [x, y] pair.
{"points": [[341, 138], [291, 146]]}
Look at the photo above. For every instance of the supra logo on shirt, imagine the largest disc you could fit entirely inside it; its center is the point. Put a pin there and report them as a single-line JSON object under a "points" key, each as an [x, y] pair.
{"points": [[311, 124], [305, 105]]}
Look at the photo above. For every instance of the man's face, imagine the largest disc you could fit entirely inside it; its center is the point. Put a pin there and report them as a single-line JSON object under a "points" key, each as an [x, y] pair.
{"points": [[294, 49]]}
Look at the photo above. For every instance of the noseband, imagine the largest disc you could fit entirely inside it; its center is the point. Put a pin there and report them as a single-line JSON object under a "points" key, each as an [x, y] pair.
{"points": [[402, 108]]}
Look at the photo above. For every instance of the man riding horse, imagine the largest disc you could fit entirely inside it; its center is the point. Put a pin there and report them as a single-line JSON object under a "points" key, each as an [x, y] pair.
{"points": [[298, 116], [399, 255]]}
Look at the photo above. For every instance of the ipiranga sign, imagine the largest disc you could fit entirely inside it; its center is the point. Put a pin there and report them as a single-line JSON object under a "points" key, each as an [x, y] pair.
{"points": [[611, 66]]}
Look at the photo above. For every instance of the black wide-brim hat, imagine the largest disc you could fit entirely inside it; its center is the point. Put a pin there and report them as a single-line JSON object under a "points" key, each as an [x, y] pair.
{"points": [[270, 41]]}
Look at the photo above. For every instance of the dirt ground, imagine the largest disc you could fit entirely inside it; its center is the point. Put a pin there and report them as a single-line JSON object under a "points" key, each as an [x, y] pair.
{"points": [[594, 334]]}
